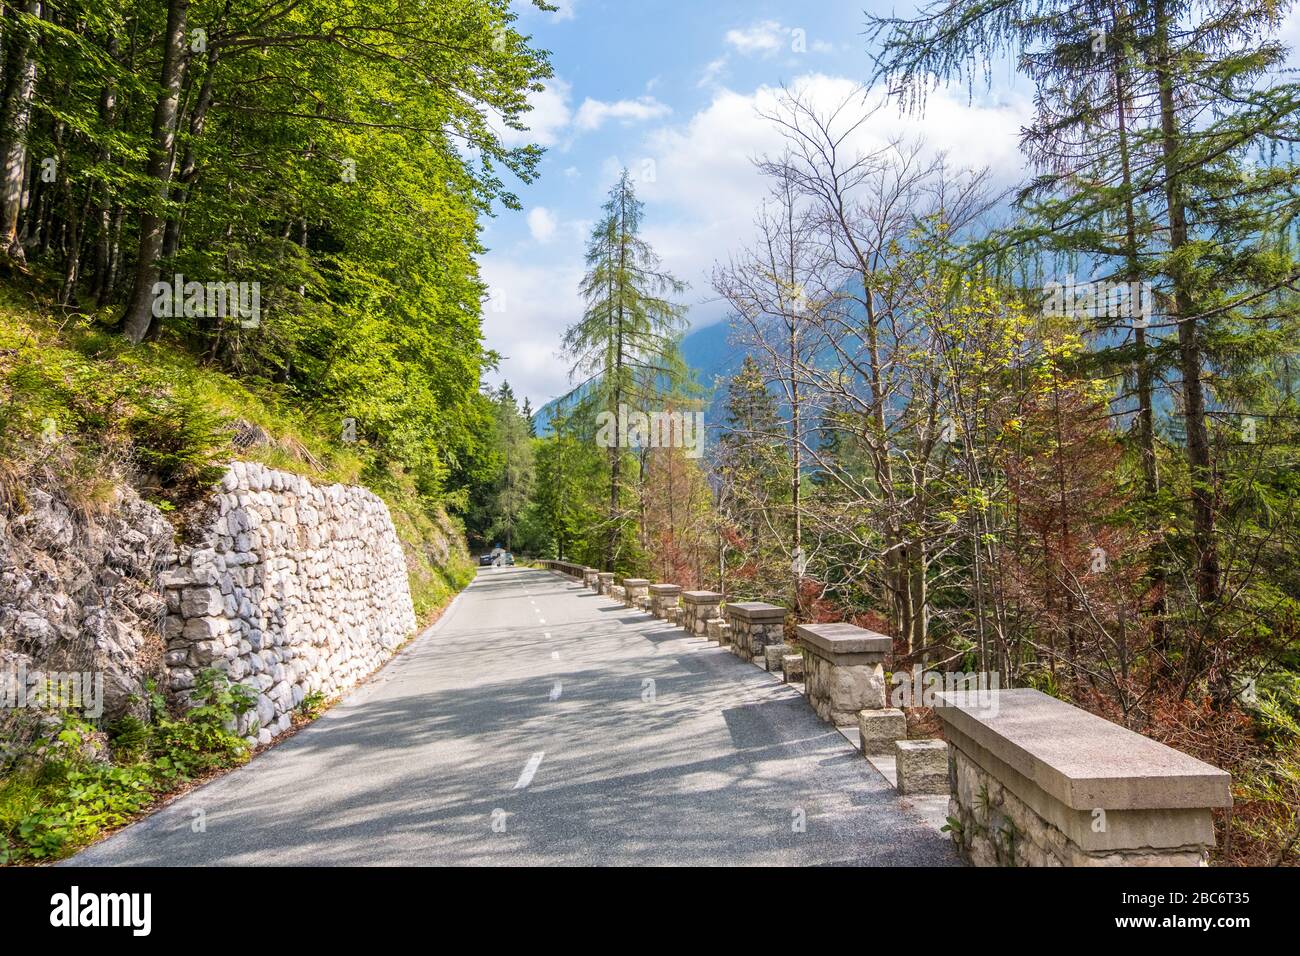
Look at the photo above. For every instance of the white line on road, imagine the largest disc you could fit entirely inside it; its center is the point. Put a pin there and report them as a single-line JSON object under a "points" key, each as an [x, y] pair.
{"points": [[557, 690], [530, 768], [555, 655], [546, 634]]}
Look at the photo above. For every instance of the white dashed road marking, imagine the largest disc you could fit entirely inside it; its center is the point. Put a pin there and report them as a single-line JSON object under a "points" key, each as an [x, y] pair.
{"points": [[557, 690], [530, 768]]}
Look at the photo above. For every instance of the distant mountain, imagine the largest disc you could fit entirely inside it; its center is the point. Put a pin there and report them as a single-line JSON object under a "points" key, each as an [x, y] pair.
{"points": [[709, 352]]}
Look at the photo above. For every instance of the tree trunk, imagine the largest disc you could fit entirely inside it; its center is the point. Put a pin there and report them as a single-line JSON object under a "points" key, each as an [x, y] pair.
{"points": [[1190, 354], [17, 121], [138, 318]]}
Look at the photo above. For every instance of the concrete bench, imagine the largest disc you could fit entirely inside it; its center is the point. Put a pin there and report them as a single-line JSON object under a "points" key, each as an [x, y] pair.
{"points": [[844, 670], [698, 608], [1038, 782], [662, 597], [754, 625]]}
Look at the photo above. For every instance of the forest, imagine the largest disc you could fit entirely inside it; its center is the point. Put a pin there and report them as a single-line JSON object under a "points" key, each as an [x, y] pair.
{"points": [[229, 229], [253, 226], [1048, 434]]}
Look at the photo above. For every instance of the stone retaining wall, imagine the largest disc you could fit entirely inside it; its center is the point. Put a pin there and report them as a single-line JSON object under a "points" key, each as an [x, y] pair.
{"points": [[292, 589]]}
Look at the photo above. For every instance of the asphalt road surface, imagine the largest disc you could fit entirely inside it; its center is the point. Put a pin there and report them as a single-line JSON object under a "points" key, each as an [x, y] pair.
{"points": [[538, 723]]}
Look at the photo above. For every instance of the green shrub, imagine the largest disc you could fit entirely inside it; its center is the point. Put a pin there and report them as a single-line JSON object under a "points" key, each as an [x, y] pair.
{"points": [[55, 800]]}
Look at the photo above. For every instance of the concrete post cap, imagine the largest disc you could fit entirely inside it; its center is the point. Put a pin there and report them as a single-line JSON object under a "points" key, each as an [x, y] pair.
{"points": [[701, 597], [756, 611], [1083, 760], [840, 638]]}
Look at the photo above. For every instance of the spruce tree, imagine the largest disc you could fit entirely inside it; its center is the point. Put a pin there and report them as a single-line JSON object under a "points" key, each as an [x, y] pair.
{"points": [[625, 343]]}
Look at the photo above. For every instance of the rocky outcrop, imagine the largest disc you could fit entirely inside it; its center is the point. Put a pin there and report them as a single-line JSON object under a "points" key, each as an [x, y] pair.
{"points": [[290, 588], [77, 589]]}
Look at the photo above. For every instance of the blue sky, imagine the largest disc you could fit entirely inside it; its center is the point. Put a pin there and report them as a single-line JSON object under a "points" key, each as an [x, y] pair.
{"points": [[673, 91]]}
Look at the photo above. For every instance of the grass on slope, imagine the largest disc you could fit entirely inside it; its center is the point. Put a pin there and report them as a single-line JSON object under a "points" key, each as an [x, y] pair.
{"points": [[81, 406]]}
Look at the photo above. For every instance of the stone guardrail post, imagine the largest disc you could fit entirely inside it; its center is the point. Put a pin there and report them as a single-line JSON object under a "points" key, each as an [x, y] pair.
{"points": [[755, 625], [843, 670], [698, 608], [590, 577], [634, 589], [1035, 781], [719, 631], [662, 597], [605, 581]]}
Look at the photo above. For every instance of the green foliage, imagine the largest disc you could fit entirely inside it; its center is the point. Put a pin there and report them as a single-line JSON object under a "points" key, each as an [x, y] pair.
{"points": [[57, 798], [625, 347], [340, 155], [312, 705], [500, 501]]}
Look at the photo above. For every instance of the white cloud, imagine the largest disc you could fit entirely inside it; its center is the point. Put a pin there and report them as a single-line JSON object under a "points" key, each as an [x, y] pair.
{"points": [[549, 117], [765, 37], [705, 192], [541, 223], [713, 71], [592, 114], [552, 115], [1289, 35], [531, 305], [700, 206]]}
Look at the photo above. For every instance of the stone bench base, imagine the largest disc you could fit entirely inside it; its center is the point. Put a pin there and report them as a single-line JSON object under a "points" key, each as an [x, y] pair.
{"points": [[792, 668], [772, 655], [878, 730], [997, 828], [754, 625], [718, 630], [698, 608], [663, 597], [922, 765], [634, 591]]}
